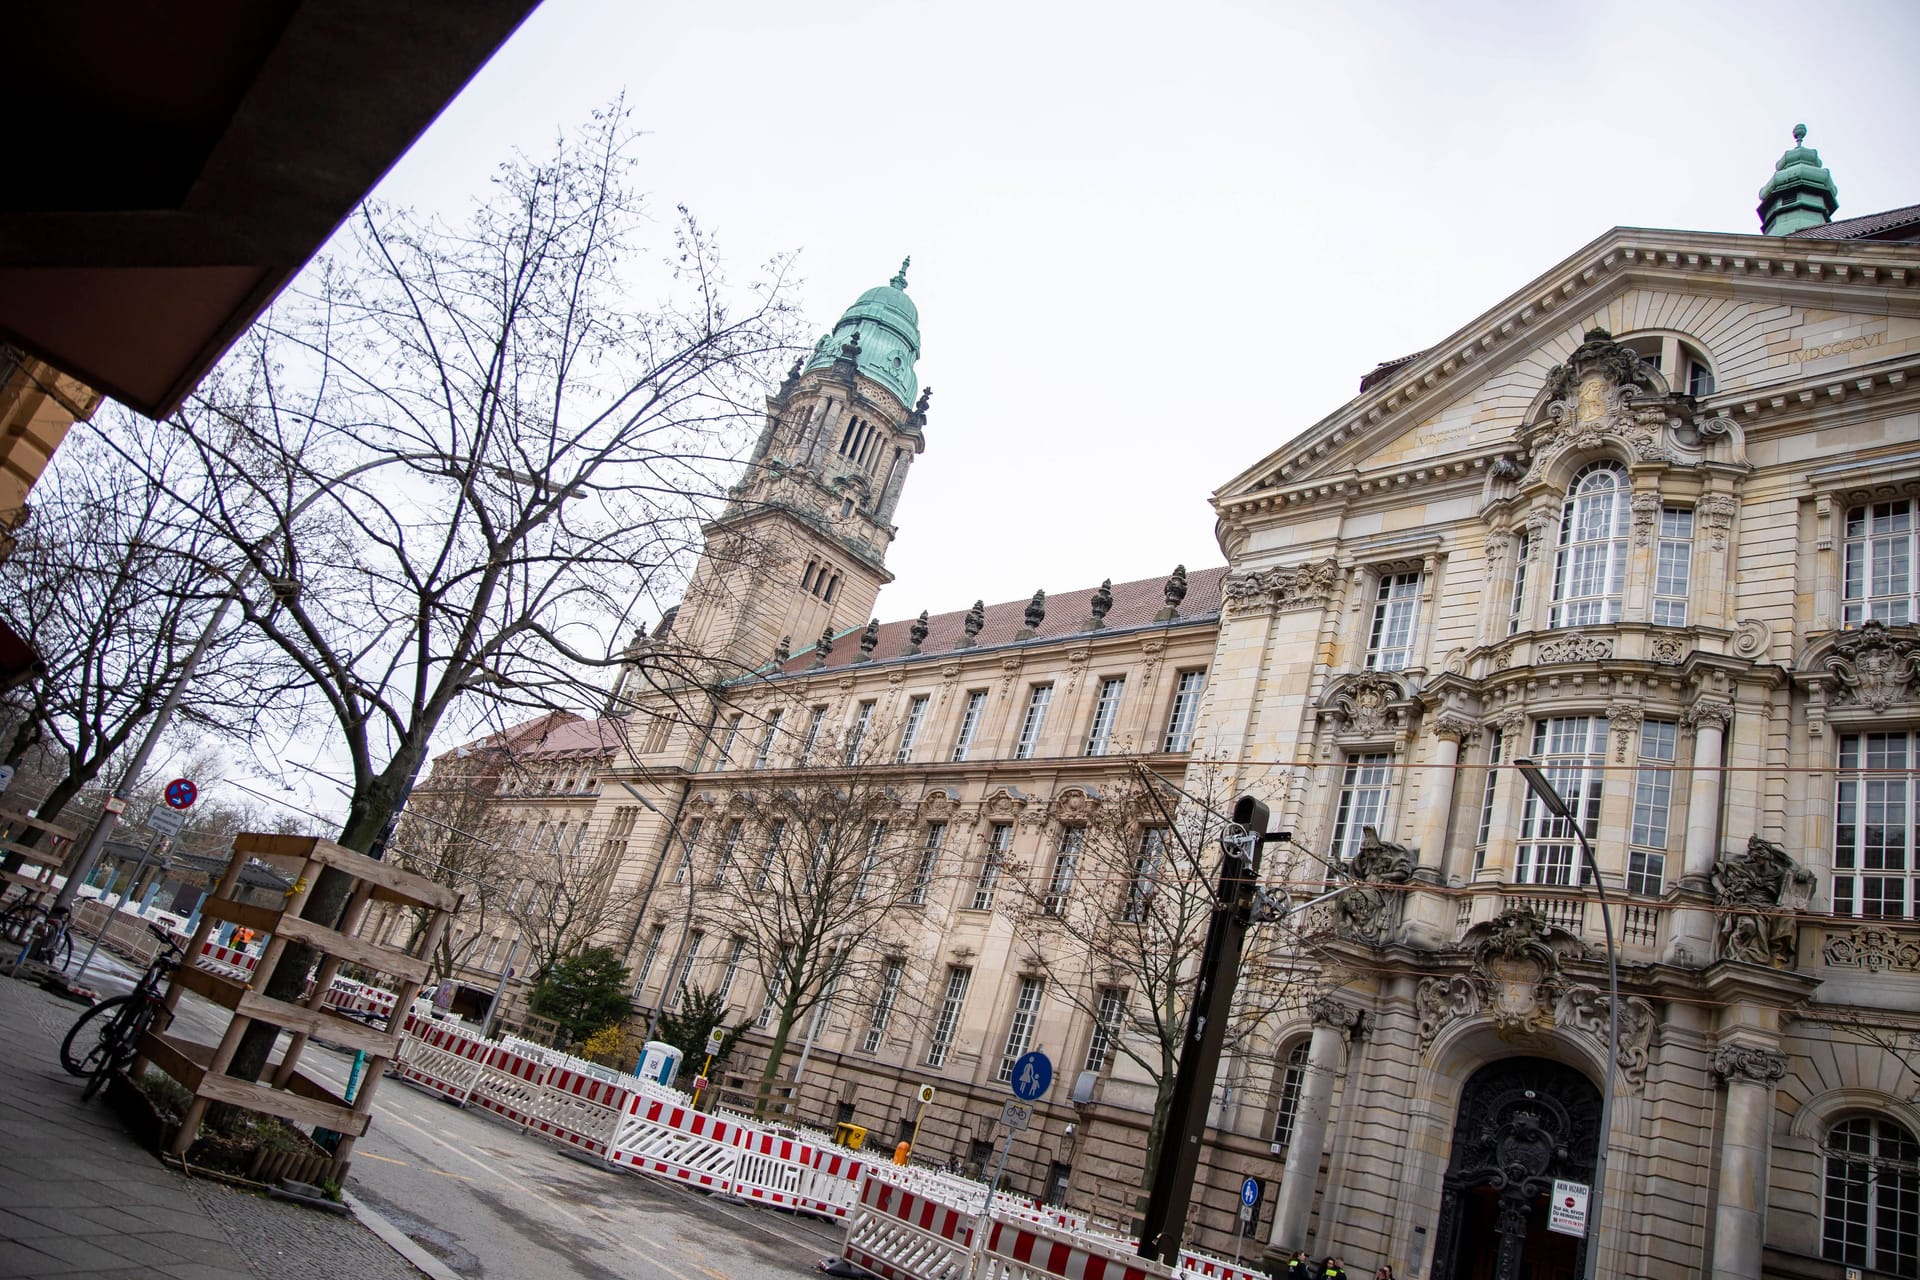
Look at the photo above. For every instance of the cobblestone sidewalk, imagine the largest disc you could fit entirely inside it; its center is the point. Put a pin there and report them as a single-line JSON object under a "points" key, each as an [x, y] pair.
{"points": [[78, 1198]]}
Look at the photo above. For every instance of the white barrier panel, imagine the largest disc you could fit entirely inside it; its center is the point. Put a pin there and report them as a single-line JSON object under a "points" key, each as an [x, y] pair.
{"points": [[899, 1235], [1028, 1251], [582, 1111], [672, 1140]]}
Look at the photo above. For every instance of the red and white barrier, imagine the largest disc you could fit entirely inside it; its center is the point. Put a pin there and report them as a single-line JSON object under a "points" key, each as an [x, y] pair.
{"points": [[900, 1235]]}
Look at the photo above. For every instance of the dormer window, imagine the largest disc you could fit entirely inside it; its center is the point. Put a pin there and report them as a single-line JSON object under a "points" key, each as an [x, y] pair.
{"points": [[1590, 568]]}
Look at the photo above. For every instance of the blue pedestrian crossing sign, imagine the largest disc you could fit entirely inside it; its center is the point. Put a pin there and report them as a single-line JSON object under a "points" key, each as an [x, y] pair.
{"points": [[1031, 1076], [1250, 1192]]}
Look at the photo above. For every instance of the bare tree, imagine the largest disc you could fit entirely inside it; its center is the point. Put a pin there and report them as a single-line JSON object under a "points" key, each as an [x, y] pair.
{"points": [[1115, 916], [452, 833], [564, 902], [114, 583], [458, 454], [809, 874]]}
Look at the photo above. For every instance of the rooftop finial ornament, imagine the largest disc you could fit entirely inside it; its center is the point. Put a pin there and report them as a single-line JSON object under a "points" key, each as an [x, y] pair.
{"points": [[899, 280], [976, 619], [1799, 136]]}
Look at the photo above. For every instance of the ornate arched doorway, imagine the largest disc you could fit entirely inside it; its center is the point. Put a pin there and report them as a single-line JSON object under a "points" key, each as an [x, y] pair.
{"points": [[1523, 1122]]}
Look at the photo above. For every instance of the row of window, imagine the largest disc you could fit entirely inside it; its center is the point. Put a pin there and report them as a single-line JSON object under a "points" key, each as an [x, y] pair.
{"points": [[820, 579], [1876, 811], [1177, 736]]}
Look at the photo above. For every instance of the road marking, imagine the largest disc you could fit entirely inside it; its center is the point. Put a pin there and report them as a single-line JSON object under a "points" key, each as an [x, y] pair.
{"points": [[368, 1155]]}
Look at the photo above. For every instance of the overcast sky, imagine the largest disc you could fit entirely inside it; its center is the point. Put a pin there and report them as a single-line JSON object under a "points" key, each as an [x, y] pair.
{"points": [[1151, 243]]}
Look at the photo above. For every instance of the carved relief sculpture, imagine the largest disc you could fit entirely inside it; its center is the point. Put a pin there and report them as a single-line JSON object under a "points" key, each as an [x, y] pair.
{"points": [[1370, 910], [1760, 892], [1874, 666], [1293, 587], [1516, 966], [1873, 948], [1584, 1009], [1740, 1062]]}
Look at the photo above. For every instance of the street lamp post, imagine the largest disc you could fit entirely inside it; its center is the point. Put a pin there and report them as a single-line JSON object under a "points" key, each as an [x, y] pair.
{"points": [[1543, 791]]}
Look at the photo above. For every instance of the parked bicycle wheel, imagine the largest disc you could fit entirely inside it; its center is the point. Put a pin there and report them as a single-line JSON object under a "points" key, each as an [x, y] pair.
{"points": [[96, 1035], [16, 925], [60, 954]]}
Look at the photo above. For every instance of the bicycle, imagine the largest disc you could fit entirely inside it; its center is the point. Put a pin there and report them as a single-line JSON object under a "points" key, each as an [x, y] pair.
{"points": [[45, 933], [118, 1022]]}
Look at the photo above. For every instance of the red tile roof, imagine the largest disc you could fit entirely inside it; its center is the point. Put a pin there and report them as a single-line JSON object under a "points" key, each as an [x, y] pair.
{"points": [[1134, 605], [1871, 226]]}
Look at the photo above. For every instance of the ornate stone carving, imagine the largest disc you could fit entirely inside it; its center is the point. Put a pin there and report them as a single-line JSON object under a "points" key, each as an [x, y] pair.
{"points": [[823, 649], [1517, 968], [1874, 948], [1439, 1001], [1370, 911], [1511, 723], [1760, 892], [1173, 591], [1715, 514], [1326, 1011], [1597, 395], [1668, 651], [1747, 1064], [1717, 712], [917, 633], [1584, 1008], [1646, 510], [976, 619], [868, 639], [1506, 467], [1574, 649], [783, 650], [1292, 587], [1539, 521], [1366, 702], [1100, 606], [1451, 724], [1874, 667], [1496, 545], [1036, 613], [1503, 657], [1752, 638]]}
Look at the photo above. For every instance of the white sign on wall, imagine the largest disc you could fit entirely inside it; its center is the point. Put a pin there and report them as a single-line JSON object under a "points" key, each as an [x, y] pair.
{"points": [[1568, 1212]]}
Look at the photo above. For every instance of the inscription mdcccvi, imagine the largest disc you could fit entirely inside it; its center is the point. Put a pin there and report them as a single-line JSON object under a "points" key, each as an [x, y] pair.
{"points": [[1840, 348]]}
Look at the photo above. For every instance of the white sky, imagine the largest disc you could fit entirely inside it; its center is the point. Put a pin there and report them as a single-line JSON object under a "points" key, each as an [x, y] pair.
{"points": [[1151, 243]]}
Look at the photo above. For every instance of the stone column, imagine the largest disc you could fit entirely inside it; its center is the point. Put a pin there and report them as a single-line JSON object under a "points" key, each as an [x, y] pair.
{"points": [[1740, 1218], [1691, 932], [1427, 920], [1333, 1020]]}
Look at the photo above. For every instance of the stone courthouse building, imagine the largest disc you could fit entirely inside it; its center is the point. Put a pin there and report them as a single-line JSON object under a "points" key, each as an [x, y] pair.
{"points": [[1650, 521]]}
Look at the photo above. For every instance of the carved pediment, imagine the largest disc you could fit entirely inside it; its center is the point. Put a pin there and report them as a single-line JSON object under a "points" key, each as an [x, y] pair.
{"points": [[1367, 704], [1073, 805], [1290, 587], [1604, 393], [1862, 672]]}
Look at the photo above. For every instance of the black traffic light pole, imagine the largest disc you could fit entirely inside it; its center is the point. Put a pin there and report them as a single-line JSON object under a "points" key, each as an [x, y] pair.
{"points": [[1186, 1121]]}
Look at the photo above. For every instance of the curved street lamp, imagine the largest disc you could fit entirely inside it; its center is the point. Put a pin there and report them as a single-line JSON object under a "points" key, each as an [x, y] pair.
{"points": [[1543, 791]]}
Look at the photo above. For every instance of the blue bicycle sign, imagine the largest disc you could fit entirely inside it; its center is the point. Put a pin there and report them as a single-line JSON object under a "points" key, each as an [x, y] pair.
{"points": [[1031, 1076]]}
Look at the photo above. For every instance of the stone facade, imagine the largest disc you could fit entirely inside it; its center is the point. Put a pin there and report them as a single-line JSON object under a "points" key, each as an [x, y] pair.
{"points": [[1642, 521]]}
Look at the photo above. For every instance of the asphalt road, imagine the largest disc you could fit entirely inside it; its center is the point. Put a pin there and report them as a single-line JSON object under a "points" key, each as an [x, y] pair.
{"points": [[491, 1201]]}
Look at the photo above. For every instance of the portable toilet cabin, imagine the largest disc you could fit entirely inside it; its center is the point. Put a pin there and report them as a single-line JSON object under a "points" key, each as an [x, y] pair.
{"points": [[659, 1063]]}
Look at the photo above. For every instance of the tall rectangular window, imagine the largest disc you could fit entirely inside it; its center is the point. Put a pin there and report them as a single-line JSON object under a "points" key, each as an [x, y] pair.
{"points": [[870, 861], [729, 847], [726, 744], [1146, 874], [1033, 722], [929, 863], [732, 970], [678, 995], [883, 1002], [1877, 577], [1106, 1028], [822, 851], [948, 1020], [1026, 1012], [969, 723], [1105, 712], [1673, 574], [1396, 610], [1489, 792], [1516, 607], [816, 719], [684, 867], [772, 735], [1365, 785], [1572, 752], [1875, 827], [1590, 568], [776, 986], [1652, 805], [1066, 863], [776, 836], [910, 732], [647, 958], [999, 841], [862, 719], [1186, 708]]}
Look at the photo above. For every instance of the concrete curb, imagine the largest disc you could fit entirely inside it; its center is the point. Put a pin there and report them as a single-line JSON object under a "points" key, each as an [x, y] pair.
{"points": [[399, 1241]]}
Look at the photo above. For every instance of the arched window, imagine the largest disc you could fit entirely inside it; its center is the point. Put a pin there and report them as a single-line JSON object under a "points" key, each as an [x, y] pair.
{"points": [[1287, 1106], [806, 580], [1590, 569], [833, 586], [1872, 1213]]}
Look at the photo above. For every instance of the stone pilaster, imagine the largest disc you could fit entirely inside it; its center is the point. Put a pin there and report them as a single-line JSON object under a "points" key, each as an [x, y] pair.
{"points": [[1691, 930]]}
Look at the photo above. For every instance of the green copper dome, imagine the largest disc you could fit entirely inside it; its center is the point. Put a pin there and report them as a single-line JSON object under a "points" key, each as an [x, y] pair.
{"points": [[1800, 194], [886, 325]]}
